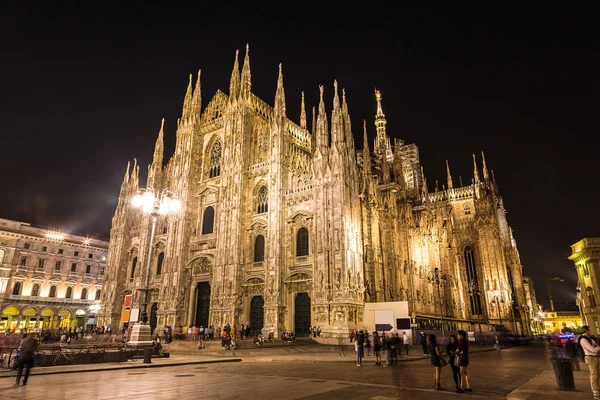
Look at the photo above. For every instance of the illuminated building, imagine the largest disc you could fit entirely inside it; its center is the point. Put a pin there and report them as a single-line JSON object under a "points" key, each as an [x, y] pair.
{"points": [[556, 321], [586, 256], [288, 227], [48, 279]]}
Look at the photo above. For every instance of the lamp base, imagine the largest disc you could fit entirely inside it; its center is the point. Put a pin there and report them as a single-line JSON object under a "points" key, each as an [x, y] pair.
{"points": [[141, 336]]}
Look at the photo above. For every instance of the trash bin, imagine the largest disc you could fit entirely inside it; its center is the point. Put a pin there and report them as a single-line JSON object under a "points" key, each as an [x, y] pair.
{"points": [[563, 370], [148, 357]]}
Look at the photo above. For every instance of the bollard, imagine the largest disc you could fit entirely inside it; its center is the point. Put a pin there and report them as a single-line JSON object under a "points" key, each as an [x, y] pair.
{"points": [[563, 370], [148, 356]]}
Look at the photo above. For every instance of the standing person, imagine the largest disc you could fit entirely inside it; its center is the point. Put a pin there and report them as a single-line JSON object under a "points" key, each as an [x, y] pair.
{"points": [[424, 343], [359, 347], [394, 344], [451, 350], [405, 342], [498, 345], [28, 346], [368, 342], [590, 349], [463, 362], [377, 348], [434, 352], [351, 336]]}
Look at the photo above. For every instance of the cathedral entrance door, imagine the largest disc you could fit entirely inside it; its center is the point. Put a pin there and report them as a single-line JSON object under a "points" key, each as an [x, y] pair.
{"points": [[257, 314], [302, 315], [202, 304], [153, 316]]}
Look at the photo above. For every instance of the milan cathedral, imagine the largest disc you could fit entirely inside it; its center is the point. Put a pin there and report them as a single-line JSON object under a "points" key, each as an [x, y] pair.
{"points": [[286, 227]]}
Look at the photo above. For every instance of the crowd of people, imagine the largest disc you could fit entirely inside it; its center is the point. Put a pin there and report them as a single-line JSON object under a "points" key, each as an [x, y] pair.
{"points": [[394, 345]]}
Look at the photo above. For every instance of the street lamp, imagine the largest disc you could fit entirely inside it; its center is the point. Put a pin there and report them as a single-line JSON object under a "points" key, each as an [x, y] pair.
{"points": [[154, 204], [475, 294], [438, 278], [497, 300]]}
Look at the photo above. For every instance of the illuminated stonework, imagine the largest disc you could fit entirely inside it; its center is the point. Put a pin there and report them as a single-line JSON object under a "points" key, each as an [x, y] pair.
{"points": [[252, 184], [586, 256], [48, 280]]}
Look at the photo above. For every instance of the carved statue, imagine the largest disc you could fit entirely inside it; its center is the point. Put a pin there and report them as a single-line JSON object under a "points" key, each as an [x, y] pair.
{"points": [[338, 277]]}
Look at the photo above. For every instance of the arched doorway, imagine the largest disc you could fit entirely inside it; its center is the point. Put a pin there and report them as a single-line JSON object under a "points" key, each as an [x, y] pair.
{"points": [[47, 318], [257, 313], [29, 317], [65, 319], [202, 303], [9, 318], [153, 316], [302, 315]]}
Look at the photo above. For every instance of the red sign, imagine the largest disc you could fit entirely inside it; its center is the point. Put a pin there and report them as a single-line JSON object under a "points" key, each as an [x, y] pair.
{"points": [[128, 300]]}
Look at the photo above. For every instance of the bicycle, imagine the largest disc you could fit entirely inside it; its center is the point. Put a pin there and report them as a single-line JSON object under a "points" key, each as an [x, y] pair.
{"points": [[39, 359]]}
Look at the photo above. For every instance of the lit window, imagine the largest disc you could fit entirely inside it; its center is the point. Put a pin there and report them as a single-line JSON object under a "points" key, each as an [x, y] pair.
{"points": [[35, 290], [262, 200]]}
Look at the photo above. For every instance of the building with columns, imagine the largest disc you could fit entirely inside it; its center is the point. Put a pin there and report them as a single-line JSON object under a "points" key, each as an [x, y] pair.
{"points": [[287, 226], [586, 256], [48, 279]]}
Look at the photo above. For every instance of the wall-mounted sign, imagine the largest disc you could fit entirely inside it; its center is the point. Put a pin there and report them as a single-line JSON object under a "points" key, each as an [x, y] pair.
{"points": [[128, 300]]}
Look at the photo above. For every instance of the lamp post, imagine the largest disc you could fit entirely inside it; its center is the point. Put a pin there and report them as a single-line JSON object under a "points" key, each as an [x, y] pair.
{"points": [[438, 278], [474, 292], [154, 204]]}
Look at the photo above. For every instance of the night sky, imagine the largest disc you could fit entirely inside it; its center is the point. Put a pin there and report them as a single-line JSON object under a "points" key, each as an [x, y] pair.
{"points": [[84, 87]]}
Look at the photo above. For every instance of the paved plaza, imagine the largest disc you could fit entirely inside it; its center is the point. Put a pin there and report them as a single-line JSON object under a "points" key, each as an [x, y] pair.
{"points": [[494, 376]]}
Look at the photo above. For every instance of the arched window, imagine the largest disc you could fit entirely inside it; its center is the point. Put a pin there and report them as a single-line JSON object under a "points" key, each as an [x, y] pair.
{"points": [[262, 200], [215, 160], [1, 256], [133, 265], [208, 220], [472, 280], [302, 242], [467, 208], [84, 294], [17, 288], [98, 294], [591, 297], [35, 290], [52, 292], [159, 263], [259, 248], [69, 293]]}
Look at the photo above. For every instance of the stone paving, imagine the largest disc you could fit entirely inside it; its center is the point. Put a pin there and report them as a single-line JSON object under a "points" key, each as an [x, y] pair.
{"points": [[494, 376]]}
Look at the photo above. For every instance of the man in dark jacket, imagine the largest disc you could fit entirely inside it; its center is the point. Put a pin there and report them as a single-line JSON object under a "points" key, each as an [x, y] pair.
{"points": [[29, 346]]}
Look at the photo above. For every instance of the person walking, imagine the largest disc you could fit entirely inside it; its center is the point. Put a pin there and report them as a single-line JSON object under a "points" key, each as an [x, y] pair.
{"points": [[405, 341], [590, 350], [451, 350], [377, 348], [29, 346], [424, 343], [434, 352], [571, 350], [359, 343], [463, 362]]}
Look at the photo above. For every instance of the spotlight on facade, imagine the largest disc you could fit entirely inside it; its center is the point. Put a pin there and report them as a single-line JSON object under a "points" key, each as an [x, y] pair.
{"points": [[55, 235], [86, 241]]}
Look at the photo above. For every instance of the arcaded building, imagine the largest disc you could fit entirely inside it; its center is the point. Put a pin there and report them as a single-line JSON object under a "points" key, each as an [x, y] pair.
{"points": [[48, 279], [285, 224]]}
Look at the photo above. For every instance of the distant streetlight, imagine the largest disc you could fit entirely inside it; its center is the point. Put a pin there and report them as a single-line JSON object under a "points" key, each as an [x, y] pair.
{"points": [[154, 204]]}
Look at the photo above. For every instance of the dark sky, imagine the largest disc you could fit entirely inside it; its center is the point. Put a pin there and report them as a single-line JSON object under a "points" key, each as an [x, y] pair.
{"points": [[84, 87]]}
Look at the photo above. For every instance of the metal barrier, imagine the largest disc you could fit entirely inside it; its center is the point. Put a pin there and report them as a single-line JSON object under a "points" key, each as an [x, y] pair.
{"points": [[563, 370]]}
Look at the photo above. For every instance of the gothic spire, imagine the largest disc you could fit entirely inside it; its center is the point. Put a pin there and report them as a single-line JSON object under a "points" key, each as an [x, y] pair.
{"points": [[159, 149], [486, 175], [380, 123], [336, 98], [344, 104], [126, 177], [322, 140], [234, 82], [313, 127], [187, 101], [449, 176], [246, 76], [302, 113], [475, 170], [280, 95], [366, 150], [424, 188], [196, 100]]}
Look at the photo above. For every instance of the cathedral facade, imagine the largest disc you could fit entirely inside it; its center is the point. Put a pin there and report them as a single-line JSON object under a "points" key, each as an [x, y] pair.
{"points": [[286, 227]]}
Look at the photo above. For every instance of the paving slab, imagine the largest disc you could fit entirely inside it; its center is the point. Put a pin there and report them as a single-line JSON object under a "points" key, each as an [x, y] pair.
{"points": [[544, 386]]}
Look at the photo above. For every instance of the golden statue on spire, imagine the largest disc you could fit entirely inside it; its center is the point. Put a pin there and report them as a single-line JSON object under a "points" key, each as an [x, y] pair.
{"points": [[377, 95]]}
